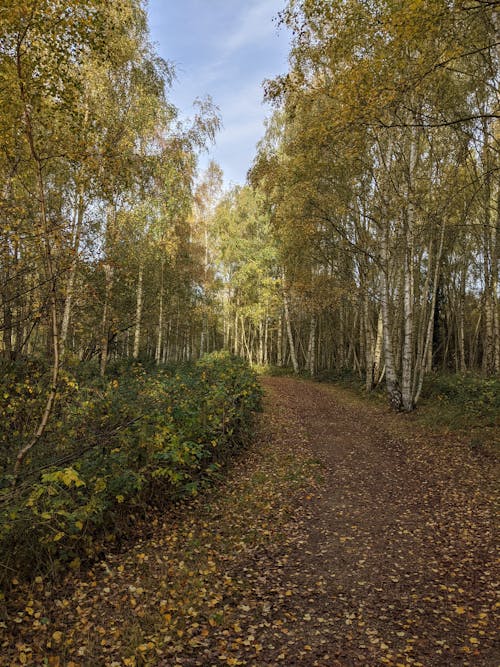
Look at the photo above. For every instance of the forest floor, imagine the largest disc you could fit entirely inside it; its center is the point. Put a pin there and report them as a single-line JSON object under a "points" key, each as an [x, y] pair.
{"points": [[343, 535]]}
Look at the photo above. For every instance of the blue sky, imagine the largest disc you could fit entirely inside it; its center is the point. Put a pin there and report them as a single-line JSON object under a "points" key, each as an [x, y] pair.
{"points": [[223, 48]]}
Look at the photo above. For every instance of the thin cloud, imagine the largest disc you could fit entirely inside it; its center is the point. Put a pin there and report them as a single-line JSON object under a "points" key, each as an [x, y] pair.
{"points": [[231, 46], [254, 24]]}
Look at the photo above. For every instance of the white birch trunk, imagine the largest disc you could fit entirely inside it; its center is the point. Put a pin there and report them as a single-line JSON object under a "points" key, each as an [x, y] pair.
{"points": [[407, 356], [138, 313], [392, 382], [75, 247], [279, 350], [159, 341], [377, 356], [311, 350], [288, 324]]}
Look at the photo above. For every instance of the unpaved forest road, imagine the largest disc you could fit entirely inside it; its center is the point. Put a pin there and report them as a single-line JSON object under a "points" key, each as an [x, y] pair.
{"points": [[343, 536], [398, 545]]}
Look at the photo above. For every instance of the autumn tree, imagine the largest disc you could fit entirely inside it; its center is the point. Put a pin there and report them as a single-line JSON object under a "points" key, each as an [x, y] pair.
{"points": [[385, 157]]}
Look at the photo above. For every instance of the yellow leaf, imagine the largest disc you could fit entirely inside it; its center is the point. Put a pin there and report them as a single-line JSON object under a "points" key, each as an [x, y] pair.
{"points": [[57, 636], [473, 640], [100, 485], [459, 610]]}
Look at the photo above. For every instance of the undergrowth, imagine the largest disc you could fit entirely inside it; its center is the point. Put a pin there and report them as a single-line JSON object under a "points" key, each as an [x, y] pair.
{"points": [[461, 401], [114, 446]]}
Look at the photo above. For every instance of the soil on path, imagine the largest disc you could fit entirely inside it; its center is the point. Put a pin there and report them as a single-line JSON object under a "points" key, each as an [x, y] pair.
{"points": [[398, 543], [344, 536]]}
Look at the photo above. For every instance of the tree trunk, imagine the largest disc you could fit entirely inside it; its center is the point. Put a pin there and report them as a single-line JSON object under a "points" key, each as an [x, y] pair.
{"points": [[377, 355], [494, 280], [266, 340], [75, 248], [108, 284], [407, 356], [47, 239], [261, 343], [288, 324], [369, 349], [236, 333], [426, 360], [159, 340], [311, 350], [392, 383], [279, 344], [138, 313], [488, 361]]}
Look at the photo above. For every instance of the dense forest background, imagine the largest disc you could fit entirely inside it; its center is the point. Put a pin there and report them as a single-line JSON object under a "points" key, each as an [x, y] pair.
{"points": [[368, 238]]}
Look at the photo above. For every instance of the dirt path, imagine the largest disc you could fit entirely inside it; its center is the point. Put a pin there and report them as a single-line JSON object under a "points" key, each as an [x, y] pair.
{"points": [[334, 541], [397, 544]]}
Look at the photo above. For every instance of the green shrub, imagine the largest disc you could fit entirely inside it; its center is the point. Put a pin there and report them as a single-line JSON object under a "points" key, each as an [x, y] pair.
{"points": [[138, 437], [462, 400]]}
